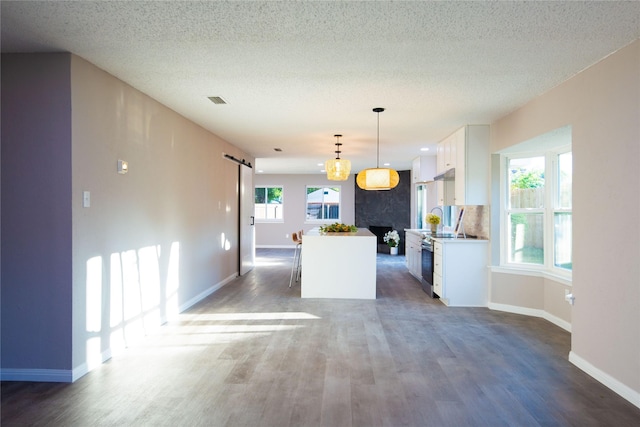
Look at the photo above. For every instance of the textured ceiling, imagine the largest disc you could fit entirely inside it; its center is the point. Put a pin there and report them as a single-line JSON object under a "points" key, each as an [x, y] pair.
{"points": [[296, 73]]}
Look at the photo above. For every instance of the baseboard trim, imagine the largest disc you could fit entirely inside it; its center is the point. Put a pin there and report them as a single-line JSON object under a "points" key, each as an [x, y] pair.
{"points": [[202, 295], [534, 312], [275, 246], [37, 375], [82, 370], [557, 321], [72, 375], [623, 390]]}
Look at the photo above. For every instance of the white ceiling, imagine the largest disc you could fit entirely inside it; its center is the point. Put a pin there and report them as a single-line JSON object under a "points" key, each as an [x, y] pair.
{"points": [[296, 73]]}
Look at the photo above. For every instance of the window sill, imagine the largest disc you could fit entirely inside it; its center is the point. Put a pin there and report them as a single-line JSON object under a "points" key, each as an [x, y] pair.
{"points": [[564, 280]]}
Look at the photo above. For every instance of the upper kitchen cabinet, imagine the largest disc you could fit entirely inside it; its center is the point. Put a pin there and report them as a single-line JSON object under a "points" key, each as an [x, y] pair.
{"points": [[447, 153], [472, 165], [424, 169], [467, 152]]}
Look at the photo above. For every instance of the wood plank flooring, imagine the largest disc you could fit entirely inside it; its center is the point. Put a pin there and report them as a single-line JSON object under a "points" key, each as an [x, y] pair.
{"points": [[256, 354]]}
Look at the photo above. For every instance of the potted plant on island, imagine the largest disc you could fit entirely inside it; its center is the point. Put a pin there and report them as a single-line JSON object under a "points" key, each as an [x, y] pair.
{"points": [[433, 220], [392, 238], [337, 227]]}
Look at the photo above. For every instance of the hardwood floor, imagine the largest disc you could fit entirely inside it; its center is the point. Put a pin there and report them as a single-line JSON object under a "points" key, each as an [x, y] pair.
{"points": [[255, 354]]}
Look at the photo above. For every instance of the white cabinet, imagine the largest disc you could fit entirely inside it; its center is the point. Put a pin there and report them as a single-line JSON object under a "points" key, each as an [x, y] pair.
{"points": [[413, 252], [423, 169], [460, 272], [445, 193], [440, 192], [440, 158], [466, 151], [437, 269], [473, 166], [447, 153]]}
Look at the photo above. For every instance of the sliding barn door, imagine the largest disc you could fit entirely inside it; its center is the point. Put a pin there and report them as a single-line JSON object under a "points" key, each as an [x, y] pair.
{"points": [[246, 221]]}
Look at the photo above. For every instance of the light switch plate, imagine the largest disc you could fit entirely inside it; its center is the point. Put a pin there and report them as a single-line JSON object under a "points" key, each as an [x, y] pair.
{"points": [[86, 199]]}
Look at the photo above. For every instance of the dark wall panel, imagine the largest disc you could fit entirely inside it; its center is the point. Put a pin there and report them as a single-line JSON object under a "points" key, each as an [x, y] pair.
{"points": [[390, 208]]}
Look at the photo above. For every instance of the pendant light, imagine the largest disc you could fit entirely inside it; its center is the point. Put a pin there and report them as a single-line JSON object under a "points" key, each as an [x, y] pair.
{"points": [[378, 178], [338, 169]]}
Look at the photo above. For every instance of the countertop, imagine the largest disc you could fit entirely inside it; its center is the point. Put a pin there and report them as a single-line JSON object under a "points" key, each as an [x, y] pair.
{"points": [[423, 233], [362, 232]]}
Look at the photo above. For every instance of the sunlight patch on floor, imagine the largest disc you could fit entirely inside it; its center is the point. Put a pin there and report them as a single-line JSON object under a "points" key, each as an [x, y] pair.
{"points": [[249, 316], [270, 262], [215, 329]]}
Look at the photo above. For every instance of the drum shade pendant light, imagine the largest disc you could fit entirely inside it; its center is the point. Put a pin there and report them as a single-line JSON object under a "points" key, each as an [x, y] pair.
{"points": [[338, 169], [378, 178]]}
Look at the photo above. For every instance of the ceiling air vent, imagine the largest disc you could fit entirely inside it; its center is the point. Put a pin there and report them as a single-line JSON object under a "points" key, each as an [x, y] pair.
{"points": [[217, 100]]}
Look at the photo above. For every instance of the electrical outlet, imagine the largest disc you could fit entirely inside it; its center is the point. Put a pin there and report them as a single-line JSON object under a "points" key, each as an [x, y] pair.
{"points": [[568, 297]]}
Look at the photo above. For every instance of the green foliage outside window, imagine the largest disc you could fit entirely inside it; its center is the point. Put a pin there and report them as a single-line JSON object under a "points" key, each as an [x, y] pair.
{"points": [[527, 179], [268, 203], [274, 194], [271, 195]]}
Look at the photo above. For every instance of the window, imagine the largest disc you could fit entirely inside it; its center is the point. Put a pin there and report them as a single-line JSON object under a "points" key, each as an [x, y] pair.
{"points": [[538, 210], [562, 213], [525, 211], [268, 203], [323, 203]]}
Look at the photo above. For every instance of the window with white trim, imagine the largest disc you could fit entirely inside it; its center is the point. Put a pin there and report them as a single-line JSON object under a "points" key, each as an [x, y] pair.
{"points": [[322, 204], [525, 210], [268, 203], [562, 213], [538, 210]]}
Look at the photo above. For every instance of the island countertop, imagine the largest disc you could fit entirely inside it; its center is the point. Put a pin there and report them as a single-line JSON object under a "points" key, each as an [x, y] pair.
{"points": [[362, 232]]}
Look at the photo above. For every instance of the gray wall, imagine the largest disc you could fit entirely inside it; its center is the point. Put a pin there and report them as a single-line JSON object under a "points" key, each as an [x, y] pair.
{"points": [[278, 234], [36, 211]]}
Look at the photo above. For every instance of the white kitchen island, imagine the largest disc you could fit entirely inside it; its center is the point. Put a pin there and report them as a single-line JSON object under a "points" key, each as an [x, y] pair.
{"points": [[339, 265]]}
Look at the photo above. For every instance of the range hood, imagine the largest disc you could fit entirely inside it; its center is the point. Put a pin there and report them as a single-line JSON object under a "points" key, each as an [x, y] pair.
{"points": [[449, 175]]}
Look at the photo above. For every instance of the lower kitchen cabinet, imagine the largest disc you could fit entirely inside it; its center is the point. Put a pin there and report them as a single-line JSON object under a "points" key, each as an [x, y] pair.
{"points": [[413, 252], [460, 271]]}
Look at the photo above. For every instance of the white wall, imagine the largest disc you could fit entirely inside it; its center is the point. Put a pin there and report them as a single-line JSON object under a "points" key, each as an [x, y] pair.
{"points": [[294, 198], [80, 282], [167, 230], [601, 104]]}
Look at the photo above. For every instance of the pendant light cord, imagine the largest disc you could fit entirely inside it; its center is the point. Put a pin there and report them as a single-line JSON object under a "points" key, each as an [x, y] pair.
{"points": [[378, 150], [378, 110]]}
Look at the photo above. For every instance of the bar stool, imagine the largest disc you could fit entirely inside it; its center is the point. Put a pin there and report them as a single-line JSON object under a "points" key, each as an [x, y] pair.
{"points": [[297, 257]]}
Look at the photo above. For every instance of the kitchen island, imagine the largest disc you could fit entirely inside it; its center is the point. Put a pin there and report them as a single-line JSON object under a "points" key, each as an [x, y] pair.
{"points": [[339, 265]]}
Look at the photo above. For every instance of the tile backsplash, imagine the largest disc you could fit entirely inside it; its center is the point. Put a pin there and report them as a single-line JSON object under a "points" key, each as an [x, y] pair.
{"points": [[477, 220]]}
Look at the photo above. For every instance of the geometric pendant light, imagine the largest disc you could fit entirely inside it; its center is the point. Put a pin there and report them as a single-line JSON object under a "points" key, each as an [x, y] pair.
{"points": [[338, 169], [378, 178]]}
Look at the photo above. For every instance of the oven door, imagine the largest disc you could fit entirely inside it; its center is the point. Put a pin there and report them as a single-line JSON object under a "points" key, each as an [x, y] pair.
{"points": [[427, 269]]}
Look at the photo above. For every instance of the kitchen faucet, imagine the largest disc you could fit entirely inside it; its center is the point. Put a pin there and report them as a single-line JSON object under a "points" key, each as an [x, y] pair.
{"points": [[439, 208], [441, 214]]}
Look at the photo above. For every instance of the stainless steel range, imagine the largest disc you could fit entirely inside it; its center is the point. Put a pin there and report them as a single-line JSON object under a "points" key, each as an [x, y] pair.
{"points": [[427, 267]]}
